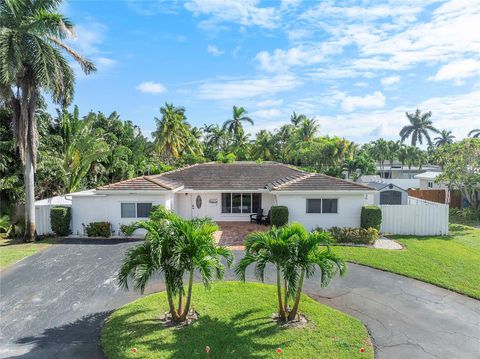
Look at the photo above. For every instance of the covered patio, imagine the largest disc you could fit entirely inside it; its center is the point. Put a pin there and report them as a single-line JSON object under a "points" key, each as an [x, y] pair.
{"points": [[232, 234]]}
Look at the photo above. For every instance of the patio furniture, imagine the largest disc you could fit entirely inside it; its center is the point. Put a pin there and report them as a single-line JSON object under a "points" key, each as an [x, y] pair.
{"points": [[266, 219], [256, 217]]}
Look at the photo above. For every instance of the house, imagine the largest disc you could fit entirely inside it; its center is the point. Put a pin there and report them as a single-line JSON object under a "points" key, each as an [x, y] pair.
{"points": [[398, 171], [427, 180], [225, 192], [388, 193]]}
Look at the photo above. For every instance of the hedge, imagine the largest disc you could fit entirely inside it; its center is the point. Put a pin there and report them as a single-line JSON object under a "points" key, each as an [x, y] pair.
{"points": [[278, 216], [371, 217], [60, 220], [98, 229]]}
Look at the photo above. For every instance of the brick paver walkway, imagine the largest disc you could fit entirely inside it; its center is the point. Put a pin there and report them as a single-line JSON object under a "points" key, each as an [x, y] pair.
{"points": [[232, 234]]}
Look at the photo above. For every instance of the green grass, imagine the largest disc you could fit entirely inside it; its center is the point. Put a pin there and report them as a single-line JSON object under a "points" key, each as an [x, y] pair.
{"points": [[13, 250], [451, 262], [235, 321]]}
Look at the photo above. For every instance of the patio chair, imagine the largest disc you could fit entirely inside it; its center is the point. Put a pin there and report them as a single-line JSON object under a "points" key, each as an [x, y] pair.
{"points": [[266, 219], [256, 217]]}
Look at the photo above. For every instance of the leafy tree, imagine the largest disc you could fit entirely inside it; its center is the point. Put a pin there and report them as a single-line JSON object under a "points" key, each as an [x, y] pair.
{"points": [[174, 246], [234, 125], [419, 127], [32, 52], [461, 168], [445, 137], [262, 147], [307, 129]]}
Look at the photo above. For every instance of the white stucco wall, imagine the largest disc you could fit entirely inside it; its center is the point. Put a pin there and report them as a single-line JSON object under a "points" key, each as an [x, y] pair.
{"points": [[97, 208], [212, 206], [349, 209], [424, 184]]}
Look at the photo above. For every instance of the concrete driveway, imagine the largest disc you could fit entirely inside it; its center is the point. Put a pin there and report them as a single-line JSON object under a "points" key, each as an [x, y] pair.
{"points": [[52, 305]]}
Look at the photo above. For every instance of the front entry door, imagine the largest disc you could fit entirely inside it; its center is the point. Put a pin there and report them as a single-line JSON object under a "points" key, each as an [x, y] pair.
{"points": [[198, 205]]}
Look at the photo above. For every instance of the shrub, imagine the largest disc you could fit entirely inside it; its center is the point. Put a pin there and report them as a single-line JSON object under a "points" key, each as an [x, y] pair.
{"points": [[351, 235], [60, 220], [371, 217], [98, 229], [278, 216]]}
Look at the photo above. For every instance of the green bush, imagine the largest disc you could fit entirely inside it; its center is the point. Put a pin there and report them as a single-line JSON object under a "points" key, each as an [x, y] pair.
{"points": [[278, 216], [352, 235], [371, 217], [98, 229], [60, 220]]}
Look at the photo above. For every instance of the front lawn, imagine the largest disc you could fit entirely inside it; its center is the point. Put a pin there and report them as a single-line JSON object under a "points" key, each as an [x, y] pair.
{"points": [[13, 250], [235, 322], [451, 261]]}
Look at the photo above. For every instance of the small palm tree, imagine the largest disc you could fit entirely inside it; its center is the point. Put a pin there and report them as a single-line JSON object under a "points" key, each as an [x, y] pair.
{"points": [[174, 246], [234, 125], [445, 138], [475, 133], [419, 128]]}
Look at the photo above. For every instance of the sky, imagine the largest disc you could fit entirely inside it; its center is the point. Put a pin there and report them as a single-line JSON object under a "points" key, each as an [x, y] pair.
{"points": [[355, 66]]}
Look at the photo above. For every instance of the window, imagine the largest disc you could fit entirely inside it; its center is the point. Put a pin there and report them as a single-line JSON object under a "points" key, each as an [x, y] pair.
{"points": [[241, 202], [322, 205], [430, 184], [135, 210]]}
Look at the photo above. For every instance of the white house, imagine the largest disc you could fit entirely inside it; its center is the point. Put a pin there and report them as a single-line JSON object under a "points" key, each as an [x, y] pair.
{"points": [[225, 192], [427, 180]]}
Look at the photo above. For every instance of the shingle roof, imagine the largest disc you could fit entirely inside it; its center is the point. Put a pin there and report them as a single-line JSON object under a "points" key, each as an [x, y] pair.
{"points": [[236, 176], [319, 182]]}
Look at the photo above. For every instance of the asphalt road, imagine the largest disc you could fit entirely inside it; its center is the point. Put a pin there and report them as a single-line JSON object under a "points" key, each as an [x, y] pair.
{"points": [[53, 303]]}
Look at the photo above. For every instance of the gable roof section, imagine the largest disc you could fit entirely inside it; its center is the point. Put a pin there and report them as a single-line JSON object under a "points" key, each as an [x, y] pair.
{"points": [[143, 183], [319, 182]]}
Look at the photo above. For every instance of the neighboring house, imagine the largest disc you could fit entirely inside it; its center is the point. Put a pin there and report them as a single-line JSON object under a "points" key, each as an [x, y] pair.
{"points": [[397, 171], [427, 180], [225, 192], [388, 193], [403, 183]]}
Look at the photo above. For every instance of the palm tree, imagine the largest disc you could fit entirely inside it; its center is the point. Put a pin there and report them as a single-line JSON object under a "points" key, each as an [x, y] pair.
{"points": [[475, 133], [307, 129], [174, 246], [420, 125], [32, 52], [297, 119], [234, 125], [379, 152], [262, 146], [445, 138], [306, 257], [173, 132]]}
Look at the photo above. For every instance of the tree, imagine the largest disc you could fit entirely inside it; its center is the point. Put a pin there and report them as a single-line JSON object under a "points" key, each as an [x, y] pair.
{"points": [[297, 119], [262, 147], [419, 128], [173, 131], [461, 168], [475, 133], [234, 125], [32, 52], [174, 246], [445, 137], [307, 129], [379, 151]]}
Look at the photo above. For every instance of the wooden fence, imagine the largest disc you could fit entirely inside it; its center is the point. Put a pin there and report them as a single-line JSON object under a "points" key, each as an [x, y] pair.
{"points": [[454, 198], [419, 217]]}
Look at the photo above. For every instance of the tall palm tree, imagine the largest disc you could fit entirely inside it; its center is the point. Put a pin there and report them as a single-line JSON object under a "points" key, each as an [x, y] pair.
{"points": [[173, 131], [307, 129], [174, 246], [262, 146], [475, 133], [296, 119], [32, 62], [419, 128], [234, 125], [445, 138]]}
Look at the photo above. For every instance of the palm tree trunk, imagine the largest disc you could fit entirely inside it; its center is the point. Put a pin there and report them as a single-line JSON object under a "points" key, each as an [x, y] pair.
{"points": [[180, 301], [29, 198], [281, 312], [171, 304], [183, 316], [285, 287], [294, 310]]}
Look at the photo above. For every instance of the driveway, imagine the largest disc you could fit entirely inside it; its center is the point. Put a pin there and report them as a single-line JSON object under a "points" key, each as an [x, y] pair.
{"points": [[53, 303]]}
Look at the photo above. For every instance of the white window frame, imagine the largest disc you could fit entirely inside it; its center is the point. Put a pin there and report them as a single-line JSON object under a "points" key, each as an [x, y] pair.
{"points": [[321, 206], [136, 209]]}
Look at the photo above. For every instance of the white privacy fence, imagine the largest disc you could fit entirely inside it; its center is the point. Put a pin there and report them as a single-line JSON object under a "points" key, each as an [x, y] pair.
{"points": [[42, 212], [419, 217]]}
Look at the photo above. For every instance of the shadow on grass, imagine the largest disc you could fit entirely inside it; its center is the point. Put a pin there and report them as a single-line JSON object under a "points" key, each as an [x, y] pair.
{"points": [[239, 336]]}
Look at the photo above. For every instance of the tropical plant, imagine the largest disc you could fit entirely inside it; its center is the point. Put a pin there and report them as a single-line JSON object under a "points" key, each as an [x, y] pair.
{"points": [[307, 129], [445, 137], [296, 119], [262, 147], [419, 127], [234, 125], [33, 63], [174, 246], [475, 133]]}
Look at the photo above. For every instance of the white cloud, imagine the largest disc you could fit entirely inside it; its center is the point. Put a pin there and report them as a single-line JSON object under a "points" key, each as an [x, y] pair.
{"points": [[270, 103], [245, 12], [240, 89], [151, 87], [457, 70], [390, 80], [375, 100], [267, 113], [215, 51]]}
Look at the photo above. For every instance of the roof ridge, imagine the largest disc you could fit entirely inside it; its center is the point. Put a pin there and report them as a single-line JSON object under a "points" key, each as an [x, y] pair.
{"points": [[157, 183], [174, 170], [288, 182], [122, 181], [343, 180]]}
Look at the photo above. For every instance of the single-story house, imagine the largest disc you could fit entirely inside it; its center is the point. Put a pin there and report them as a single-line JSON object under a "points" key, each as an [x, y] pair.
{"points": [[388, 193], [225, 192], [427, 180]]}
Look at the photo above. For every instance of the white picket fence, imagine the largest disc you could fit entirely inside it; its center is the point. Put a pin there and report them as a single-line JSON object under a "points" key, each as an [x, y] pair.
{"points": [[419, 217]]}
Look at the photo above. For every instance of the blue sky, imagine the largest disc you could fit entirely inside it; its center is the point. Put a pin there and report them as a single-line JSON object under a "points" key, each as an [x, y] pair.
{"points": [[356, 66]]}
